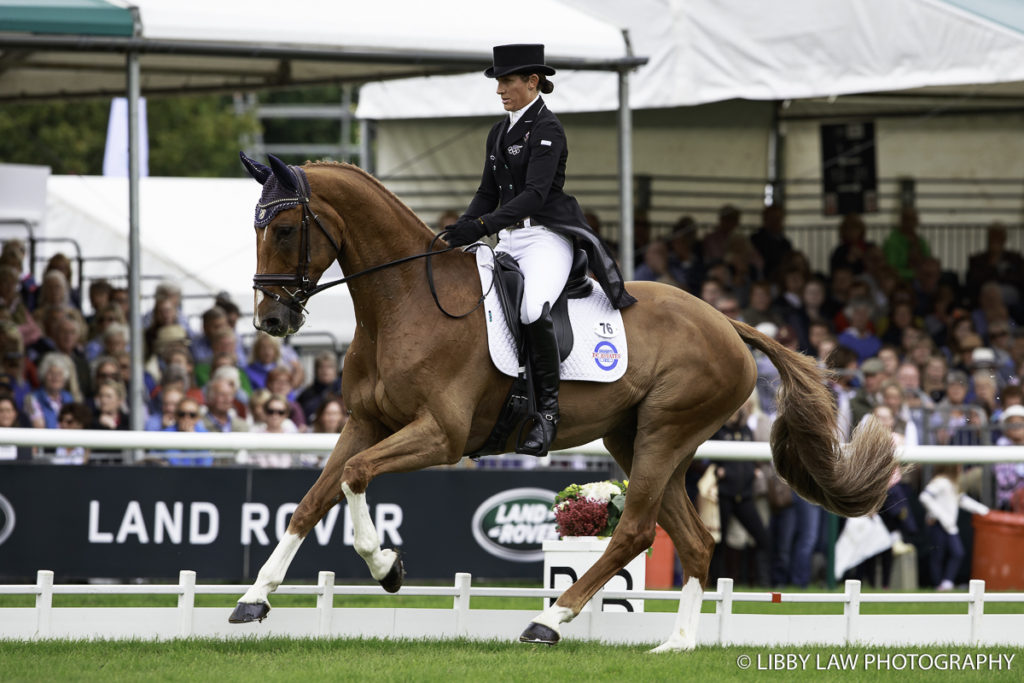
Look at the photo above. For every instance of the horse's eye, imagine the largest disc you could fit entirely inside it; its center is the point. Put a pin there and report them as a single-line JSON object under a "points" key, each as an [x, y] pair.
{"points": [[283, 233]]}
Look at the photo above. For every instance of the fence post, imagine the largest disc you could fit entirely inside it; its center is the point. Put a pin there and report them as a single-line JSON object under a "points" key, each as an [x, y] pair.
{"points": [[325, 601], [460, 604], [851, 610], [44, 602], [976, 608], [724, 610], [595, 613], [186, 602]]}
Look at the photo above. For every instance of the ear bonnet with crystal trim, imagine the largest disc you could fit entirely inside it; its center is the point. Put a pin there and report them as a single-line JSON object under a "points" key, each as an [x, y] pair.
{"points": [[284, 187]]}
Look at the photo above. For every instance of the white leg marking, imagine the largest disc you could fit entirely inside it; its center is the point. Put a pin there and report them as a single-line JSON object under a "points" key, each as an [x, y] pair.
{"points": [[367, 543], [273, 570], [553, 616], [684, 634]]}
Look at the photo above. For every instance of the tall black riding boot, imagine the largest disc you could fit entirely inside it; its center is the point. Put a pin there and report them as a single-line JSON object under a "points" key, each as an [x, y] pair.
{"points": [[543, 349]]}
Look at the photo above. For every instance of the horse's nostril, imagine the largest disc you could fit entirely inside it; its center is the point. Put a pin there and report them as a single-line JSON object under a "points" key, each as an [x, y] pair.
{"points": [[271, 323]]}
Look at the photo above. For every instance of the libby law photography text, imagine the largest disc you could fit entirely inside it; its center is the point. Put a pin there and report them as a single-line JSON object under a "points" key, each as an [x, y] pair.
{"points": [[876, 661]]}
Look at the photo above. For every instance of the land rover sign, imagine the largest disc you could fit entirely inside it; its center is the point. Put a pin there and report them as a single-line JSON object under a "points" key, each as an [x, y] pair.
{"points": [[513, 524]]}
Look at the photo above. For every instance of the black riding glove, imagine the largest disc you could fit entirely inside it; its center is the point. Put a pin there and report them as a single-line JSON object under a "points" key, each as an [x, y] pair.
{"points": [[464, 232]]}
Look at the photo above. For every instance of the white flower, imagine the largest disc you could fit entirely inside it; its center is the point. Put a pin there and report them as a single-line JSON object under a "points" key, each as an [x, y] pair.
{"points": [[602, 491]]}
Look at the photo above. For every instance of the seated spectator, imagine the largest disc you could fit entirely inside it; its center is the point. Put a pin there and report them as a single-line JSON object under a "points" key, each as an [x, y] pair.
{"points": [[1000, 340], [326, 381], [713, 246], [265, 356], [256, 402], [167, 414], [13, 254], [729, 306], [852, 246], [13, 364], [904, 248], [114, 340], [859, 335], [59, 386], [901, 316], [655, 266], [11, 418], [220, 411], [843, 364], [73, 416], [903, 425], [99, 297], [1009, 476], [279, 382], [215, 320], [996, 264], [69, 340], [188, 420], [170, 347], [760, 309], [54, 291], [233, 376], [110, 413], [276, 410], [770, 240], [684, 257], [165, 317], [992, 310], [166, 292], [106, 317], [223, 344], [60, 263], [14, 307], [890, 360], [869, 394], [331, 415], [933, 378], [956, 422]]}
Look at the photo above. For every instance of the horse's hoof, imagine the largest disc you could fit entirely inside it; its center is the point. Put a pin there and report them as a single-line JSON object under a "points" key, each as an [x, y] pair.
{"points": [[393, 581], [249, 611], [539, 633]]}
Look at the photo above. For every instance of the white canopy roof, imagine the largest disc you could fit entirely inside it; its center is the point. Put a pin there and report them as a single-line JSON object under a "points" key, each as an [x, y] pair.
{"points": [[713, 50], [199, 44], [196, 232]]}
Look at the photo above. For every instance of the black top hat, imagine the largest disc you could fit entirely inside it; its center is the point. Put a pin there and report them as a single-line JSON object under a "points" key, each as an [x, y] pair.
{"points": [[520, 58]]}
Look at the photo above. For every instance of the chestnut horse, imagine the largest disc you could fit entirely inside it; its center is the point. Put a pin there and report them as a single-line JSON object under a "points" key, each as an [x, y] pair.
{"points": [[423, 391]]}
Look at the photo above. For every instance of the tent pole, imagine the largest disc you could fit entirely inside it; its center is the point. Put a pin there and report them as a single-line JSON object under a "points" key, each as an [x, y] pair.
{"points": [[134, 261], [625, 178]]}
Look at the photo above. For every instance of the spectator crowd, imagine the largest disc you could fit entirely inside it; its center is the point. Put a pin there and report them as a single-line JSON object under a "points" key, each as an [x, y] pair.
{"points": [[64, 369], [936, 357]]}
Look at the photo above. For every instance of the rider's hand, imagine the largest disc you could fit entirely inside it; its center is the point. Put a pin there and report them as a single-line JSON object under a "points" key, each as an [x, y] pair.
{"points": [[464, 232]]}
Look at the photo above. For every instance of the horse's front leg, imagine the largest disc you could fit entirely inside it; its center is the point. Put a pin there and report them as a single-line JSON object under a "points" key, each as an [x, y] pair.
{"points": [[323, 495], [422, 443]]}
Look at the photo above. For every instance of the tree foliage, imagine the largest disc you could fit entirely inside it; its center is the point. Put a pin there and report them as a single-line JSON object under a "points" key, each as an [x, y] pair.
{"points": [[195, 136]]}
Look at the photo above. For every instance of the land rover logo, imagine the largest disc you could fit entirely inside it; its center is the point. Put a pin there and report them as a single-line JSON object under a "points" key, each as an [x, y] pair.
{"points": [[513, 524], [6, 519]]}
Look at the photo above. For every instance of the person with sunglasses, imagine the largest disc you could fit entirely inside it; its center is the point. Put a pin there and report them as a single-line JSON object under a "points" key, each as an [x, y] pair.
{"points": [[188, 419], [276, 410]]}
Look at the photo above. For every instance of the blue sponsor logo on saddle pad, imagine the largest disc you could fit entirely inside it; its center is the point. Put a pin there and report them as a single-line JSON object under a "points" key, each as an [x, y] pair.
{"points": [[606, 355]]}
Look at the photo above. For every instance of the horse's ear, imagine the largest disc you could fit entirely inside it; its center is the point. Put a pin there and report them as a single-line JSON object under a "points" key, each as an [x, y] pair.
{"points": [[255, 168], [283, 174]]}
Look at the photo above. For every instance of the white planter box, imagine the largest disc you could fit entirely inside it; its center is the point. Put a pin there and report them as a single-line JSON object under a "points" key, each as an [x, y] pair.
{"points": [[567, 559]]}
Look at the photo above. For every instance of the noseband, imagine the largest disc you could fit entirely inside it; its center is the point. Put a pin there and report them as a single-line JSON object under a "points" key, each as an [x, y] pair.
{"points": [[305, 288]]}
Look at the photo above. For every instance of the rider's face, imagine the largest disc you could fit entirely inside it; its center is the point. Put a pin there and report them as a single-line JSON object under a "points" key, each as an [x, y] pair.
{"points": [[516, 91]]}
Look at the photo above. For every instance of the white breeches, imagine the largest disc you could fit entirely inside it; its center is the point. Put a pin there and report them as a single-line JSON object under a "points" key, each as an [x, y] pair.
{"points": [[545, 258]]}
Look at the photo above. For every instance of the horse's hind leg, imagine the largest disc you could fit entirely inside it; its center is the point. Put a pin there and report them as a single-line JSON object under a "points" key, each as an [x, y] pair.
{"points": [[694, 544]]}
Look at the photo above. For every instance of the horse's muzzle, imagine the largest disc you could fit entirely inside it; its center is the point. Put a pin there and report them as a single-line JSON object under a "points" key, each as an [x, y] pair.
{"points": [[277, 320]]}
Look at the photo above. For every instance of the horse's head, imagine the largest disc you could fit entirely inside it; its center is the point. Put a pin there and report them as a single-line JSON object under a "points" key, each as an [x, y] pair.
{"points": [[293, 248]]}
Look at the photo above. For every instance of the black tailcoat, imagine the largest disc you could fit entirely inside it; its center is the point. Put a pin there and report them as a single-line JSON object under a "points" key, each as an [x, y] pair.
{"points": [[524, 172]]}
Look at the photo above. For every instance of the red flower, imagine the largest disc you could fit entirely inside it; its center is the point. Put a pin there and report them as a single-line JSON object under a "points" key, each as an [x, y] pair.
{"points": [[582, 518]]}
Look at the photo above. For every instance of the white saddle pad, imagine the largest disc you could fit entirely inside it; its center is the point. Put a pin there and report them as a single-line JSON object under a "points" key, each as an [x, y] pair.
{"points": [[599, 346]]}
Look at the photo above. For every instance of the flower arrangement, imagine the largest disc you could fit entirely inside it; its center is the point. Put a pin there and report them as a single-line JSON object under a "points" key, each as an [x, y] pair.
{"points": [[591, 509]]}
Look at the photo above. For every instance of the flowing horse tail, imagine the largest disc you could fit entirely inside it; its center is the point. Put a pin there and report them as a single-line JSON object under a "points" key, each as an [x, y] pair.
{"points": [[804, 441]]}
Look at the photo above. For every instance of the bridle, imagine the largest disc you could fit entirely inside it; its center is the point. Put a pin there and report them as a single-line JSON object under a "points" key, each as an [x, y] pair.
{"points": [[304, 288]]}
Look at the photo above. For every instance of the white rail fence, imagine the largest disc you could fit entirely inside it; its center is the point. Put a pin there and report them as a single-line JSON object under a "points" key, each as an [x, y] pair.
{"points": [[724, 627], [225, 445]]}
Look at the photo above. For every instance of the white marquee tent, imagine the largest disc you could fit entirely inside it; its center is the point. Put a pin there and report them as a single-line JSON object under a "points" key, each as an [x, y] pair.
{"points": [[703, 51]]}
